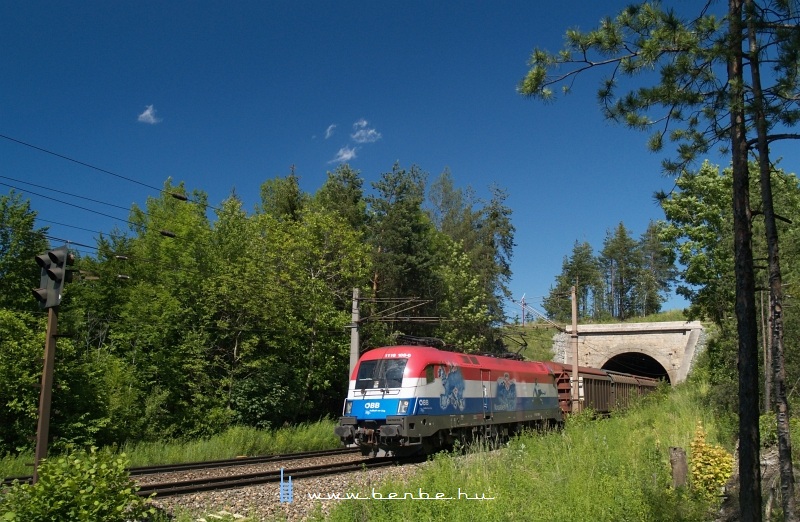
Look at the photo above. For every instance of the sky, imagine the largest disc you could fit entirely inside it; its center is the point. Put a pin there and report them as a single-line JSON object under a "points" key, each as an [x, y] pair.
{"points": [[226, 95]]}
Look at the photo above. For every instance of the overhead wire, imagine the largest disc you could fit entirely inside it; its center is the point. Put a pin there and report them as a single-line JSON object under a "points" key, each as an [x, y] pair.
{"points": [[89, 165], [179, 196], [110, 256], [176, 195], [162, 232], [67, 203], [62, 192], [69, 226]]}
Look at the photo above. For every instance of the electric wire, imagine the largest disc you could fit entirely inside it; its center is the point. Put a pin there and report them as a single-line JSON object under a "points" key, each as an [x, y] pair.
{"points": [[162, 232], [108, 256], [67, 203], [176, 195], [126, 178], [63, 192], [69, 226], [83, 163]]}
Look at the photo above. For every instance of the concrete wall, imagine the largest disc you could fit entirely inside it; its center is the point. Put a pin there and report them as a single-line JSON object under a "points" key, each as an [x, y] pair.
{"points": [[673, 344]]}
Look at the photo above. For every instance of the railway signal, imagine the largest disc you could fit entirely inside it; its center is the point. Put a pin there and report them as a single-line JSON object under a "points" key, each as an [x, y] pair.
{"points": [[42, 294], [55, 274]]}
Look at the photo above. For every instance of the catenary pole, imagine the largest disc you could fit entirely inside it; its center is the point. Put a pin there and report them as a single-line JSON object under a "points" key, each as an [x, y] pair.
{"points": [[576, 405], [355, 339]]}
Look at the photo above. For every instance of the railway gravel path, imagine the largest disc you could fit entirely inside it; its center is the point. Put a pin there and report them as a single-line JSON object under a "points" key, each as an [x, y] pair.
{"points": [[262, 502]]}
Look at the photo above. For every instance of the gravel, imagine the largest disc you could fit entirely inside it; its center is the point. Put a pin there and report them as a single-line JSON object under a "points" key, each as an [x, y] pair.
{"points": [[262, 502], [145, 480]]}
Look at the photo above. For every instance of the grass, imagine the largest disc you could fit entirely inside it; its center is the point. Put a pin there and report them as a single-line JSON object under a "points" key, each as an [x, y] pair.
{"points": [[534, 341], [669, 315], [236, 441], [606, 470], [16, 465]]}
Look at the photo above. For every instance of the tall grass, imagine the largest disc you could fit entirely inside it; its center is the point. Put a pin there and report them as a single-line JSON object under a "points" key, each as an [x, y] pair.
{"points": [[667, 315], [16, 465], [236, 441], [607, 470]]}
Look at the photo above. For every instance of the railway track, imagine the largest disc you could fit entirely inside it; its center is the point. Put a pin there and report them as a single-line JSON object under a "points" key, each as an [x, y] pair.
{"points": [[241, 461], [250, 479], [224, 463]]}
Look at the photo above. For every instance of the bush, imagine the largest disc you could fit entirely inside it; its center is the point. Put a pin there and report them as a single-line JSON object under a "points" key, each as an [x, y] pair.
{"points": [[768, 429], [83, 486], [711, 466]]}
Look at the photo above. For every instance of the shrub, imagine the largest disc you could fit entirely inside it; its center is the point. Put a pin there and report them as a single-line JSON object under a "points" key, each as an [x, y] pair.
{"points": [[82, 486], [768, 428], [710, 466]]}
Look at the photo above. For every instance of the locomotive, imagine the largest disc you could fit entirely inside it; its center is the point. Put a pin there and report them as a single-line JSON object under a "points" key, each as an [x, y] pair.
{"points": [[404, 400]]}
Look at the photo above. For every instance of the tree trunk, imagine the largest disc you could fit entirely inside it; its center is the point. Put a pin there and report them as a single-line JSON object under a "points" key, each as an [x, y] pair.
{"points": [[749, 468], [775, 280], [766, 346]]}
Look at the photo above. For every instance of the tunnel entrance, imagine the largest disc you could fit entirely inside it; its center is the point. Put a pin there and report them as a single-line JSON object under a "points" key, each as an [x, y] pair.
{"points": [[637, 364]]}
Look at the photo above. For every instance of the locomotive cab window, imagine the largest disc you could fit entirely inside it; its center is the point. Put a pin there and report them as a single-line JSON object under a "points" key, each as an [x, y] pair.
{"points": [[383, 373], [429, 375]]}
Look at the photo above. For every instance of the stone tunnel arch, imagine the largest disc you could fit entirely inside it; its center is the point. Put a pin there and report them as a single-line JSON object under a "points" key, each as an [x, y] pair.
{"points": [[661, 348], [637, 363]]}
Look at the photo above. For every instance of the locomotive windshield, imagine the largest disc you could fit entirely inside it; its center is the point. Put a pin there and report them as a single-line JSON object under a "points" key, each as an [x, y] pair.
{"points": [[383, 373]]}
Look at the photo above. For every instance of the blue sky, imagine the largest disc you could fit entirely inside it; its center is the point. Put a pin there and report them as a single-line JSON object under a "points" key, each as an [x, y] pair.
{"points": [[225, 95]]}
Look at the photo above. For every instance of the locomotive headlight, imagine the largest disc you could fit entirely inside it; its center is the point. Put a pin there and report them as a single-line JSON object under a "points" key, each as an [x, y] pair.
{"points": [[402, 407], [348, 407]]}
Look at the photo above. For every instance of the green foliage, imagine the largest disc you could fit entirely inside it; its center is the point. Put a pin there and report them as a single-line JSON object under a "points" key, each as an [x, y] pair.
{"points": [[343, 194], [533, 341], [20, 371], [665, 316], [710, 466], [628, 278], [462, 301], [233, 442], [240, 320], [401, 235], [621, 263], [82, 486], [78, 409], [644, 38], [20, 242], [282, 198], [700, 225], [584, 268], [236, 441], [624, 459], [768, 429]]}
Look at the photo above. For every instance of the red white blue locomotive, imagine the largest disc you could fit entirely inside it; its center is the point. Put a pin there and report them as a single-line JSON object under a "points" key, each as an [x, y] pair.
{"points": [[409, 399]]}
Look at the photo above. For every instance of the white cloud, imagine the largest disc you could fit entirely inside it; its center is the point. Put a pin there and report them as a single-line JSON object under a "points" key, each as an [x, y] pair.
{"points": [[149, 116], [344, 154], [363, 133], [329, 130]]}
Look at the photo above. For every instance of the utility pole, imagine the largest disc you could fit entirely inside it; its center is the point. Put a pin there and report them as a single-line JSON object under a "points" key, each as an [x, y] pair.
{"points": [[523, 309], [576, 404], [355, 339]]}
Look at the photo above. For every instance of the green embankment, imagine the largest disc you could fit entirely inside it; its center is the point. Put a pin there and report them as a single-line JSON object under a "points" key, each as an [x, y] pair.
{"points": [[613, 469]]}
